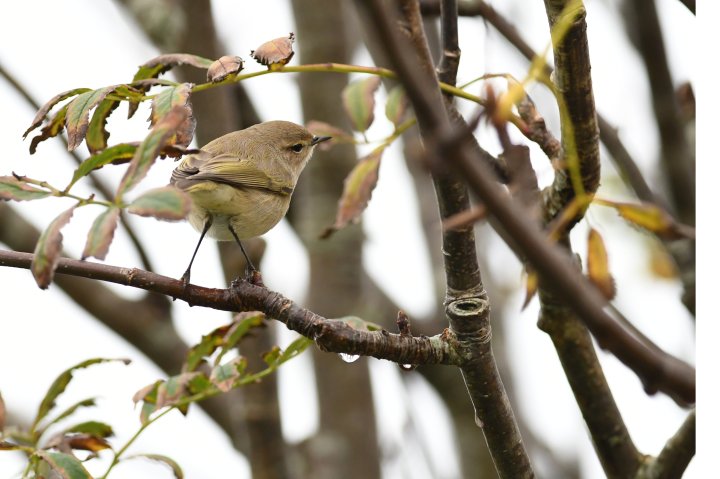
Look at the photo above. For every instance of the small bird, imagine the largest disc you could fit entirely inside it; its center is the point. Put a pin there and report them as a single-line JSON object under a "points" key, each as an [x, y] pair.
{"points": [[241, 183]]}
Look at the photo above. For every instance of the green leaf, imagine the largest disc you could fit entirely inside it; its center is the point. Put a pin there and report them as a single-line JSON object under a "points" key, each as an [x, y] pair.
{"points": [[42, 112], [272, 357], [51, 130], [357, 191], [225, 375], [117, 154], [66, 465], [47, 250], [295, 348], [150, 148], [242, 324], [159, 65], [166, 203], [78, 114], [397, 105], [101, 234], [13, 189], [359, 102], [207, 345], [89, 402], [97, 135], [177, 471], [58, 387], [94, 428], [168, 99]]}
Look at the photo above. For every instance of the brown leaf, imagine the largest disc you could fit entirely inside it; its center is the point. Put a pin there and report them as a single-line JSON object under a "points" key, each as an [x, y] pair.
{"points": [[275, 53], [598, 265], [223, 67], [101, 234], [47, 250], [51, 130], [2, 414], [357, 191], [83, 442]]}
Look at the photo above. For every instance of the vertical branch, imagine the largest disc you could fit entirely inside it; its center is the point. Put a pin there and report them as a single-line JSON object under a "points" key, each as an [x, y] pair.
{"points": [[466, 304]]}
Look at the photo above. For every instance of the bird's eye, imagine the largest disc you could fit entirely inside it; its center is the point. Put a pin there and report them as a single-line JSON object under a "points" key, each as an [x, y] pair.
{"points": [[297, 147]]}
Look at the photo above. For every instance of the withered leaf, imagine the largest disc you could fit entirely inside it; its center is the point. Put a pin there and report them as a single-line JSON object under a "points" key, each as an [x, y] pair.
{"points": [[150, 148], [2, 414], [12, 188], [101, 234], [223, 67], [78, 114], [47, 250], [83, 442], [66, 465], [42, 112], [357, 190], [359, 102], [166, 203], [275, 53], [51, 130], [598, 266], [652, 218], [168, 99], [338, 135], [175, 388], [97, 135]]}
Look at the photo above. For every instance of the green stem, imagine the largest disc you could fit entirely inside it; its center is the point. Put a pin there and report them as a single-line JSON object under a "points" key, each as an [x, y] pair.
{"points": [[130, 441]]}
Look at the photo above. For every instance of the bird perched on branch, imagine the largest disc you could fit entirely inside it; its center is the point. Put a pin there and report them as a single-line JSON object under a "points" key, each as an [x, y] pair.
{"points": [[241, 183]]}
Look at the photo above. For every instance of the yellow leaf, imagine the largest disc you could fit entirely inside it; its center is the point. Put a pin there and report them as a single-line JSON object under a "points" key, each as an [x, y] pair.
{"points": [[598, 266]]}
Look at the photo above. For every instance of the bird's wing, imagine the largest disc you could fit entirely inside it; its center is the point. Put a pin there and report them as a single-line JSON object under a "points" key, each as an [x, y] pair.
{"points": [[227, 169]]}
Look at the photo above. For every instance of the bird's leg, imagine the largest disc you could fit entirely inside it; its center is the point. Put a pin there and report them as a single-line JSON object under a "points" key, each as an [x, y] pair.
{"points": [[186, 275], [250, 270]]}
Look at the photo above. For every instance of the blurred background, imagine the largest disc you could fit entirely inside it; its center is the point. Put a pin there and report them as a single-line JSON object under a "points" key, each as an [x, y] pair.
{"points": [[321, 416]]}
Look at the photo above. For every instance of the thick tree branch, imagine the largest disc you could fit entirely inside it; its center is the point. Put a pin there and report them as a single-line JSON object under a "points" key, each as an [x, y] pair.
{"points": [[329, 334], [614, 446], [466, 305], [659, 372]]}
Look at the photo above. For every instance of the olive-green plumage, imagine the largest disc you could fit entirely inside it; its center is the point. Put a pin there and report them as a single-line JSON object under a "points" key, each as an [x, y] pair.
{"points": [[241, 183]]}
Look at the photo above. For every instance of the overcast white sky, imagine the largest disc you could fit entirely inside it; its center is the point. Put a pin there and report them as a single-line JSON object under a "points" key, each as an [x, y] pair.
{"points": [[54, 46]]}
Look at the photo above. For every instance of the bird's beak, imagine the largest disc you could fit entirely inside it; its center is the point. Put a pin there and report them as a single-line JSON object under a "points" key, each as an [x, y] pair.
{"points": [[319, 139]]}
